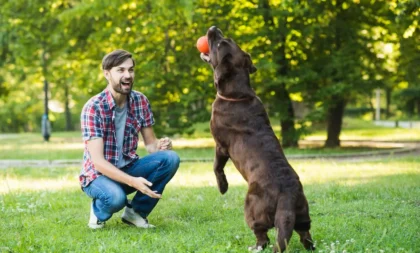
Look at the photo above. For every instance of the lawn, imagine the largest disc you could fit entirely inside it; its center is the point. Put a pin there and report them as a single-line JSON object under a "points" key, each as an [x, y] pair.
{"points": [[355, 207], [69, 145]]}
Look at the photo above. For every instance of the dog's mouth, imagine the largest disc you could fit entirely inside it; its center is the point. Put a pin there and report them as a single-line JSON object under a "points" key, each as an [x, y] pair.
{"points": [[214, 37]]}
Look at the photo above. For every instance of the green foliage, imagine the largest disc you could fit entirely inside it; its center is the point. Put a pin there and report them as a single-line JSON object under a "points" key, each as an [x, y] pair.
{"points": [[313, 52]]}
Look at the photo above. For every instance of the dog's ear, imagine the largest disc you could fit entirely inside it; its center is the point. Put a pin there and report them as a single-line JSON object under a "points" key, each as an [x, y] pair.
{"points": [[249, 64], [226, 60]]}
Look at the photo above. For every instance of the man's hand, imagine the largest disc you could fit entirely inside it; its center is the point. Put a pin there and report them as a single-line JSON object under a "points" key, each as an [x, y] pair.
{"points": [[143, 185], [164, 144]]}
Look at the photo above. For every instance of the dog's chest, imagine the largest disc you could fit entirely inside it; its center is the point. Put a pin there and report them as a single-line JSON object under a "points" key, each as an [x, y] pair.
{"points": [[230, 120]]}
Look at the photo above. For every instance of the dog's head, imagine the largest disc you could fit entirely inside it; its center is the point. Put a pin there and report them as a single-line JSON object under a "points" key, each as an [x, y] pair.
{"points": [[226, 54]]}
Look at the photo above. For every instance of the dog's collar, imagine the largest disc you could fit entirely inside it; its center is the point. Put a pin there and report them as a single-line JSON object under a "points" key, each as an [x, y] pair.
{"points": [[231, 99]]}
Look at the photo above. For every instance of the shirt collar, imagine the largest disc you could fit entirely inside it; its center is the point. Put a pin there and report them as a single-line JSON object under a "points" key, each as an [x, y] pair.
{"points": [[111, 101]]}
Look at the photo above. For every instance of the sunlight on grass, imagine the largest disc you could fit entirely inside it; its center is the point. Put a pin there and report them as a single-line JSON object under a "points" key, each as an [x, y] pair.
{"points": [[201, 174], [351, 173], [45, 146], [193, 143], [380, 134], [8, 185]]}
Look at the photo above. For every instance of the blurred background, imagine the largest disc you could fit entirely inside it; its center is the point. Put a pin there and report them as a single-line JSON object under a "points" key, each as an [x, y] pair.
{"points": [[318, 61]]}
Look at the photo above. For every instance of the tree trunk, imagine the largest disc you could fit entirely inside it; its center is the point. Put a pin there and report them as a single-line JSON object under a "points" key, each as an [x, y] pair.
{"points": [[287, 115], [287, 122], [418, 107], [335, 110], [335, 115], [372, 108], [388, 102], [69, 123]]}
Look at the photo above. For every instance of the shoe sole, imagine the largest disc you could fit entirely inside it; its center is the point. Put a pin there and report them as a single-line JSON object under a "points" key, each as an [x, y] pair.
{"points": [[92, 226], [132, 224], [127, 222]]}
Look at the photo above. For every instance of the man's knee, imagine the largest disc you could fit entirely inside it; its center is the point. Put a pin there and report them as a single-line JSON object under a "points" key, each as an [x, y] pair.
{"points": [[116, 200], [173, 160]]}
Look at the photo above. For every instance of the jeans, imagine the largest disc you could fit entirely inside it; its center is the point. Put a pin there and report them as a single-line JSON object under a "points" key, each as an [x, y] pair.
{"points": [[110, 196]]}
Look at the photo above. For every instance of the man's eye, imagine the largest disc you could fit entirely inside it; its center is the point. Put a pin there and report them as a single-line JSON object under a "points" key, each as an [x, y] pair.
{"points": [[120, 70], [131, 70]]}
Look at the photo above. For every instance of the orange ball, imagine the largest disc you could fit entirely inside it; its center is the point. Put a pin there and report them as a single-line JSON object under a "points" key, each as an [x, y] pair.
{"points": [[203, 45]]}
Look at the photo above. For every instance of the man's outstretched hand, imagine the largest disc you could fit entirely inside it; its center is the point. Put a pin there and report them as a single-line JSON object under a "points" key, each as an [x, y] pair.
{"points": [[143, 185]]}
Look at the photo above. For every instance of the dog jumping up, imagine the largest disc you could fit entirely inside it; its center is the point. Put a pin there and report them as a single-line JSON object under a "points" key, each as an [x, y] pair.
{"points": [[242, 131]]}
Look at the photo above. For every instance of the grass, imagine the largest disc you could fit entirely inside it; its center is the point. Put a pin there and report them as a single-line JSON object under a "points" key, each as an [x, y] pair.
{"points": [[359, 129], [69, 145], [355, 207]]}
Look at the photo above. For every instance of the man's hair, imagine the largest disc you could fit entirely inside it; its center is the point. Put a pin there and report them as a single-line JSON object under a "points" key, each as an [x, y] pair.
{"points": [[115, 58]]}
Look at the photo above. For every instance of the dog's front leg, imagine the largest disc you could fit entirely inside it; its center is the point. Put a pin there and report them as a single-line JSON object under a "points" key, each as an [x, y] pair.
{"points": [[219, 165]]}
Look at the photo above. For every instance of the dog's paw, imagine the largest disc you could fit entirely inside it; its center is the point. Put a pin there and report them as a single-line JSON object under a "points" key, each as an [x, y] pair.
{"points": [[223, 185], [205, 57], [255, 248], [223, 189]]}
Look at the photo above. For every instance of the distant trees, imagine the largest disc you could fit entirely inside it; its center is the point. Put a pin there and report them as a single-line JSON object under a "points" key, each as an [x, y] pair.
{"points": [[325, 54]]}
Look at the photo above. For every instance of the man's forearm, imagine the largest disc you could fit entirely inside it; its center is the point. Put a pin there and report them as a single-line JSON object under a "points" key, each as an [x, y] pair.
{"points": [[109, 170], [152, 147]]}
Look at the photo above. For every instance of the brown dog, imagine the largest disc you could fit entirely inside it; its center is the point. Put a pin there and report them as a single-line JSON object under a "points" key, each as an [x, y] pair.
{"points": [[242, 132]]}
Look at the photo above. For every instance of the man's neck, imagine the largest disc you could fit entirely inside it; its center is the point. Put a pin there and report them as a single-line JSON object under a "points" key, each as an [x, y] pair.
{"points": [[120, 99]]}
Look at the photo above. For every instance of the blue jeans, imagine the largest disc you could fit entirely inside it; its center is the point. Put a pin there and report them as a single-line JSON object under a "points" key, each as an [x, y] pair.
{"points": [[110, 196]]}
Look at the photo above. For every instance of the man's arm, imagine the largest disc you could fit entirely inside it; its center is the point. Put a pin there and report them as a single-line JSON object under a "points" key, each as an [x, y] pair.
{"points": [[96, 151], [153, 144]]}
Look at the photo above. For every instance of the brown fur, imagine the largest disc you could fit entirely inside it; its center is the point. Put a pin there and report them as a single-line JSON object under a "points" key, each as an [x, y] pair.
{"points": [[242, 132]]}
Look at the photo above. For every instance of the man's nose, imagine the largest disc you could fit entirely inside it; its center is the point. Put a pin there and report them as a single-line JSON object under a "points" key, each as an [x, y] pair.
{"points": [[127, 74]]}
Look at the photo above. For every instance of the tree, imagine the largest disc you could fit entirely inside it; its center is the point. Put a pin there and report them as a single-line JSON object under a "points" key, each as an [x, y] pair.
{"points": [[342, 56]]}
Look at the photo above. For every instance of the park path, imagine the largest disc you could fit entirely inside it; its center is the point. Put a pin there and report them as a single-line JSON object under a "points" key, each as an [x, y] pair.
{"points": [[394, 150]]}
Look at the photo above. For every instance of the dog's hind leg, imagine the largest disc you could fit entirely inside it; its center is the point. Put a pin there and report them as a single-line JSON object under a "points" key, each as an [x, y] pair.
{"points": [[303, 223], [284, 222], [256, 216]]}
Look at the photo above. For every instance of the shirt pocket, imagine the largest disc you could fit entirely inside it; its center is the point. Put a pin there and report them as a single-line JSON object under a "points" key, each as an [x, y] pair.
{"points": [[134, 127], [131, 136]]}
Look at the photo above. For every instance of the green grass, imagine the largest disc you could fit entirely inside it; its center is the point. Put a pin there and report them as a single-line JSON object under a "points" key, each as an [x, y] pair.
{"points": [[355, 207], [69, 145], [353, 129], [359, 129]]}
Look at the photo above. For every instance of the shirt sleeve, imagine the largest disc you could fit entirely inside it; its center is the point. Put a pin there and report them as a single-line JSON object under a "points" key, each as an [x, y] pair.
{"points": [[91, 122], [147, 113]]}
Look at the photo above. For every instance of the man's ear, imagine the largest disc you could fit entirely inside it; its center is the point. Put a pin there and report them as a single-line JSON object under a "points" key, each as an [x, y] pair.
{"points": [[106, 74], [249, 64]]}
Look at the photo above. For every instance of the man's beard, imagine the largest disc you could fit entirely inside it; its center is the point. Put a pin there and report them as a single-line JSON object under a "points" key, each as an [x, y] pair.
{"points": [[120, 87]]}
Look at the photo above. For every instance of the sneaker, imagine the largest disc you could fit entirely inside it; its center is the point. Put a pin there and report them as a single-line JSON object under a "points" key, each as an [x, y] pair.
{"points": [[94, 223], [132, 218]]}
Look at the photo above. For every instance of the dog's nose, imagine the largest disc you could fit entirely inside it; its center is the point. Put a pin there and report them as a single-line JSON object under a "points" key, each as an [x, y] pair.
{"points": [[213, 29]]}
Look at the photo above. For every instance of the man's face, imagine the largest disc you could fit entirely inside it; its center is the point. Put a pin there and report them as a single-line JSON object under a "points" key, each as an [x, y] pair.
{"points": [[121, 77]]}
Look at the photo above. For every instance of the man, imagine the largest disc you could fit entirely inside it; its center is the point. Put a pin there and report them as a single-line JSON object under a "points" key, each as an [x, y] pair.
{"points": [[110, 123]]}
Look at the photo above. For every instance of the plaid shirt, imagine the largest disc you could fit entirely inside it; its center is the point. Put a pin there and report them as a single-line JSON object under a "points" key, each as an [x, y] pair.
{"points": [[97, 120]]}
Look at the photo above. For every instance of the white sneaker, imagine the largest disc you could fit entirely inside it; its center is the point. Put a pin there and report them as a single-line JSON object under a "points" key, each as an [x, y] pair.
{"points": [[94, 223], [132, 218]]}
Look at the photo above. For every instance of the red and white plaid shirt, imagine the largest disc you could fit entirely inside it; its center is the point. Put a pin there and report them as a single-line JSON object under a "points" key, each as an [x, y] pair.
{"points": [[97, 121]]}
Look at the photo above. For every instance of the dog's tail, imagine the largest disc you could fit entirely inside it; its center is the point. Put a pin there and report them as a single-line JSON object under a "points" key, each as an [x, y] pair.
{"points": [[284, 221]]}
